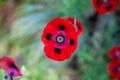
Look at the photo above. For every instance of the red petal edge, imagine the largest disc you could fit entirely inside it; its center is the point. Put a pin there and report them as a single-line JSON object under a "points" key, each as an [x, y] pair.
{"points": [[80, 28], [101, 10], [4, 63]]}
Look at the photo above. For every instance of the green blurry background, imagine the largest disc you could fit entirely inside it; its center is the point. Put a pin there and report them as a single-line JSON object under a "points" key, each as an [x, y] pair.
{"points": [[21, 25]]}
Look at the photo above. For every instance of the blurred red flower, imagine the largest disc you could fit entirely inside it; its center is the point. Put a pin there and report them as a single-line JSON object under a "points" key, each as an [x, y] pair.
{"points": [[60, 38], [114, 53], [104, 6], [10, 66], [114, 69]]}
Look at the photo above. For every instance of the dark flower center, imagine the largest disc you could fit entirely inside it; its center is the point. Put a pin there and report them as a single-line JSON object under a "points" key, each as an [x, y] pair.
{"points": [[118, 54], [117, 69], [105, 1], [60, 39], [109, 6], [12, 73], [100, 2]]}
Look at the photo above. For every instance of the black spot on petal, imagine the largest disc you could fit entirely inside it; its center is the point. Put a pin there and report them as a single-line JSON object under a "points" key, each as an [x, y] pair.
{"points": [[57, 50], [98, 3], [48, 36], [115, 70], [109, 6], [61, 27], [72, 42], [13, 66]]}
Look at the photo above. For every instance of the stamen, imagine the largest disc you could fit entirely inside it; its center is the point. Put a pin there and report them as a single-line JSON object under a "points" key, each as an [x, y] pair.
{"points": [[105, 1], [60, 39]]}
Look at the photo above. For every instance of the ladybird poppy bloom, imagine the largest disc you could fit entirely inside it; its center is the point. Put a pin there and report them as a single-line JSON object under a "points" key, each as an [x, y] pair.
{"points": [[60, 38], [114, 53], [10, 66], [104, 6], [114, 69]]}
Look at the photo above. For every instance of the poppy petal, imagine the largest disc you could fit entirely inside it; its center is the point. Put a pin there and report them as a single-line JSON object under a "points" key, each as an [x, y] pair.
{"points": [[61, 38], [114, 53], [62, 25], [58, 54], [47, 35], [73, 43], [104, 7], [114, 69], [10, 66], [78, 24]]}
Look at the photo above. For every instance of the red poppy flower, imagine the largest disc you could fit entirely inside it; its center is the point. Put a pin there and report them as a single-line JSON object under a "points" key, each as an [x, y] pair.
{"points": [[60, 38], [114, 53], [114, 69], [10, 66], [104, 6]]}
